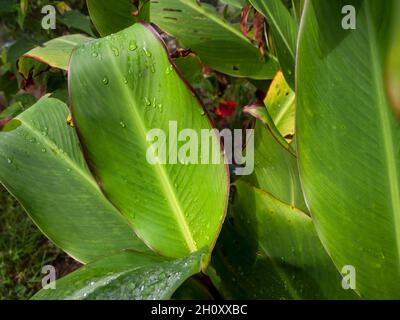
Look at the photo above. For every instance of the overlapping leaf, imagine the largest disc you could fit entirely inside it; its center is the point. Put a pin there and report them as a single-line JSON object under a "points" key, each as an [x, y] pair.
{"points": [[125, 276], [270, 250], [57, 52], [42, 165]]}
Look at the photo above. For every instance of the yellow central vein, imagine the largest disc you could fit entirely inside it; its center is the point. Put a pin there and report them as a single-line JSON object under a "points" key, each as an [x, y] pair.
{"points": [[385, 116], [163, 176]]}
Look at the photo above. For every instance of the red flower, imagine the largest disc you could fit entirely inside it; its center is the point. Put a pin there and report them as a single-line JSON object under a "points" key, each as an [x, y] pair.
{"points": [[225, 108]]}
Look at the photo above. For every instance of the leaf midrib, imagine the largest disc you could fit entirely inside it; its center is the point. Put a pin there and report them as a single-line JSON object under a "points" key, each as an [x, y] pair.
{"points": [[52, 146], [163, 177]]}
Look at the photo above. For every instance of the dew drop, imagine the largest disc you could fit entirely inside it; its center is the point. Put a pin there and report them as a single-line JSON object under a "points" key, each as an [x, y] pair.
{"points": [[105, 80], [202, 112], [9, 161], [44, 150], [115, 51], [132, 45], [152, 68], [125, 80], [122, 124], [95, 54], [147, 101], [147, 52]]}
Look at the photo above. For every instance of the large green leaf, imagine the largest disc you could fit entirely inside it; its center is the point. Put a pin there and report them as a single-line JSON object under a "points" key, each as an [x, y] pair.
{"points": [[219, 44], [41, 164], [284, 31], [57, 52], [126, 276], [348, 141], [121, 88], [270, 250]]}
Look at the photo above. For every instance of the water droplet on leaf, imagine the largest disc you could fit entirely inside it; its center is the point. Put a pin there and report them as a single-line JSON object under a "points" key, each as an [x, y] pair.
{"points": [[132, 45]]}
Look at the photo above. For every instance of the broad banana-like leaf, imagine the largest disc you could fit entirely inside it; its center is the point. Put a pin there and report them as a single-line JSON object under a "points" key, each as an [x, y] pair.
{"points": [[275, 168], [348, 140], [219, 44], [57, 52], [42, 165], [284, 32], [113, 16], [270, 250], [280, 103], [126, 94], [128, 275]]}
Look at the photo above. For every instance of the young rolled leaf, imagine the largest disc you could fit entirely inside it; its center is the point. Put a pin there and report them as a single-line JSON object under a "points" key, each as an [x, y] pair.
{"points": [[122, 87], [269, 249], [128, 275], [284, 31], [42, 165], [348, 140], [57, 52]]}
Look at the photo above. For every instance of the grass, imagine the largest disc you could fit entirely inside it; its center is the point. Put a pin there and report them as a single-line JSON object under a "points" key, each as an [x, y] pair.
{"points": [[24, 251]]}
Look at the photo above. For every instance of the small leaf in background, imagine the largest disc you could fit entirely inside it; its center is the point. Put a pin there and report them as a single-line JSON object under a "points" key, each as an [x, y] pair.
{"points": [[191, 68], [22, 11], [280, 103], [126, 276], [56, 52], [76, 20], [62, 7], [284, 31], [218, 43]]}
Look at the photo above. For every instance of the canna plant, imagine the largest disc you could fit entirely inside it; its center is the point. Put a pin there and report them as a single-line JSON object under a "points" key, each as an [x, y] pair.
{"points": [[319, 217]]}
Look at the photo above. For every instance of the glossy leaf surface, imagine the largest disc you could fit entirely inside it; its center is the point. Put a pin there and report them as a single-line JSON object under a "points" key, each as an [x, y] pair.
{"points": [[348, 141], [123, 87], [42, 165]]}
